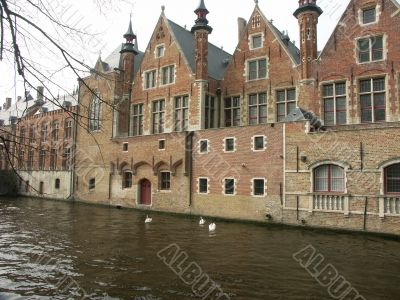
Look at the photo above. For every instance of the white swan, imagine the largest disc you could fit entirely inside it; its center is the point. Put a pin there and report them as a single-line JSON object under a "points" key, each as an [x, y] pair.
{"points": [[212, 227], [148, 219], [202, 221]]}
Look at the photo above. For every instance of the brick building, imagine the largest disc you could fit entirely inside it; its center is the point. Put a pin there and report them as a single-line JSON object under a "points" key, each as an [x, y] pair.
{"points": [[40, 144], [270, 133]]}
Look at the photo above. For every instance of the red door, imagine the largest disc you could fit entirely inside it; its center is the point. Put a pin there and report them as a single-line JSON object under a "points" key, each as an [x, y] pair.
{"points": [[145, 192]]}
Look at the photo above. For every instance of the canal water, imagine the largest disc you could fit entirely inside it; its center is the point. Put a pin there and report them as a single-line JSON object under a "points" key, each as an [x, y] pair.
{"points": [[57, 250]]}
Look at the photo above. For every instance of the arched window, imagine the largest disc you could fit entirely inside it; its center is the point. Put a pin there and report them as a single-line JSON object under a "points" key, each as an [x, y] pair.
{"points": [[392, 179], [127, 180], [329, 178], [95, 114]]}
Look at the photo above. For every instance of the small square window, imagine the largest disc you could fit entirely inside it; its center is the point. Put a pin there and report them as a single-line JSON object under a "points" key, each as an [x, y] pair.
{"points": [[92, 184], [229, 144], [125, 147], [256, 41], [229, 186], [259, 143], [204, 146], [203, 185], [258, 187], [160, 51], [161, 144], [369, 15]]}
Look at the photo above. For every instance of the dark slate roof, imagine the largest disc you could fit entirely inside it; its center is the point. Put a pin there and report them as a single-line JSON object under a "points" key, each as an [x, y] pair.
{"points": [[294, 52], [112, 61], [217, 58]]}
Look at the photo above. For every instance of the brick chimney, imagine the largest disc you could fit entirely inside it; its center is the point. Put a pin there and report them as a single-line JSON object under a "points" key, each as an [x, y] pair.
{"points": [[242, 23]]}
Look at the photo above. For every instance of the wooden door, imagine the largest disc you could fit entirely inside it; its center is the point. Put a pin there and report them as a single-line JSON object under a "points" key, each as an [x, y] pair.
{"points": [[145, 192]]}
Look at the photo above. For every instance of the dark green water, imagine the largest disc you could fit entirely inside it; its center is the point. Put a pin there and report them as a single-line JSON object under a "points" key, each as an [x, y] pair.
{"points": [[54, 250]]}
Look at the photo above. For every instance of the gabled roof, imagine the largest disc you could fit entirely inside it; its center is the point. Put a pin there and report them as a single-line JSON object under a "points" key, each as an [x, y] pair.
{"points": [[290, 48], [217, 58]]}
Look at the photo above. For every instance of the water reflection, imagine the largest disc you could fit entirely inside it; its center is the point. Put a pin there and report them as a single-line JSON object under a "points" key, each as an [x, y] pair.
{"points": [[53, 250]]}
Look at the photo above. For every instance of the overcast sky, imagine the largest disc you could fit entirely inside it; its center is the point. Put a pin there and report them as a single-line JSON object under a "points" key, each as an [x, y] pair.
{"points": [[111, 22]]}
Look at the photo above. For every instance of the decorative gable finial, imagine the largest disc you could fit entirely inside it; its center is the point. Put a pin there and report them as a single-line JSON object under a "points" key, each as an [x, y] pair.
{"points": [[162, 8], [256, 2]]}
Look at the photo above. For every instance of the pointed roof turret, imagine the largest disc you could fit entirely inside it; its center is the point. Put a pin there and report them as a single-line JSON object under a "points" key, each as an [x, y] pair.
{"points": [[130, 37], [201, 21]]}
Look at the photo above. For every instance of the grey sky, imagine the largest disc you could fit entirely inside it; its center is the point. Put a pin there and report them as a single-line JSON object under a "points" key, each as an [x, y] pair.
{"points": [[111, 23]]}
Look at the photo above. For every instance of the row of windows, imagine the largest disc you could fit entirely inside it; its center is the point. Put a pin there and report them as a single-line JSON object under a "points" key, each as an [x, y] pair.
{"points": [[44, 134], [44, 155], [57, 185], [258, 142], [167, 77], [331, 178]]}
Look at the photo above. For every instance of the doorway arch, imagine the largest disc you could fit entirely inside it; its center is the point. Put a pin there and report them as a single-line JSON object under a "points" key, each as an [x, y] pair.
{"points": [[144, 192]]}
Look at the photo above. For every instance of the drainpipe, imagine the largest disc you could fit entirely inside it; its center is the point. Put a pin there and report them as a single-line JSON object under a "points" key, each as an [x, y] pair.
{"points": [[74, 137], [365, 213], [189, 163]]}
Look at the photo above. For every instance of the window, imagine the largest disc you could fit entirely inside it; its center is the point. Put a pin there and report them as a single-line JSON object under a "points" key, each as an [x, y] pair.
{"points": [[32, 134], [22, 136], [26, 186], [54, 131], [127, 180], [257, 69], [158, 110], [256, 21], [21, 157], [57, 184], [285, 103], [161, 144], [229, 186], [42, 159], [258, 109], [203, 146], [335, 104], [258, 143], [232, 111], [168, 75], [373, 100], [229, 144], [30, 158], [256, 41], [165, 181], [209, 117], [392, 179], [53, 159], [329, 178], [125, 147], [370, 49], [150, 79], [94, 114], [66, 161], [369, 15], [68, 129], [203, 185], [137, 119], [43, 133], [181, 113], [160, 50], [258, 187], [92, 184]]}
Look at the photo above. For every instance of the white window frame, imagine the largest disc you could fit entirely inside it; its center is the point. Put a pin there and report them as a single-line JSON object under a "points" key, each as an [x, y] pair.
{"points": [[253, 143], [208, 185], [159, 46], [234, 186], [253, 187], [145, 79], [251, 40], [160, 181], [224, 144], [169, 79], [208, 146], [247, 68], [361, 14], [370, 37]]}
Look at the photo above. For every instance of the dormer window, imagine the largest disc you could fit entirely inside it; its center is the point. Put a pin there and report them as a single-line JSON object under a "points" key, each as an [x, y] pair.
{"points": [[369, 15], [160, 50]]}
